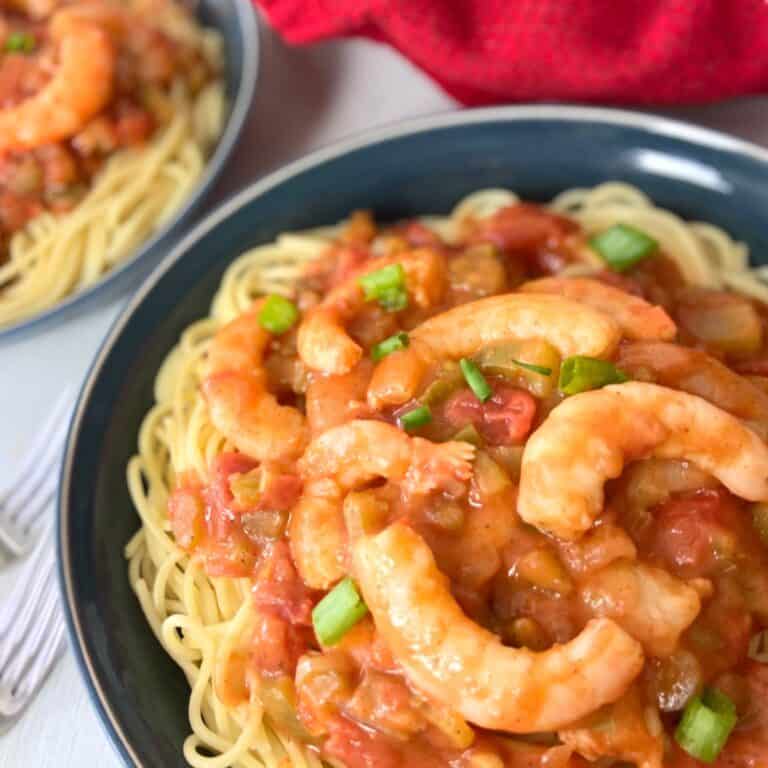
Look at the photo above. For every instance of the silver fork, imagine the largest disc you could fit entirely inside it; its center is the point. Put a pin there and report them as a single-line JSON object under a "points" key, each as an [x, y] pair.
{"points": [[36, 480], [31, 630]]}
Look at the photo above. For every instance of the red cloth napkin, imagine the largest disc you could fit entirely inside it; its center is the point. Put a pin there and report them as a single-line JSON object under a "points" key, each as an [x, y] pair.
{"points": [[611, 51]]}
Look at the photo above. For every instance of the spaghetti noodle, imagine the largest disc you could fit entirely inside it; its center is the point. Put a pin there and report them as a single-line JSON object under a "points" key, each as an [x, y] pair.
{"points": [[200, 620]]}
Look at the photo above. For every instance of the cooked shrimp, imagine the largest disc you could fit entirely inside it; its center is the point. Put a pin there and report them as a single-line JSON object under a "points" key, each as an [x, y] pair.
{"points": [[324, 344], [333, 400], [317, 535], [636, 317], [81, 86], [348, 457], [240, 405], [360, 451], [649, 603], [588, 438], [696, 372], [627, 730], [572, 328], [464, 666]]}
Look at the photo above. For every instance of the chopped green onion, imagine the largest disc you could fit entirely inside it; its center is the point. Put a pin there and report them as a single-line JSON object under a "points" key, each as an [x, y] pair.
{"points": [[278, 314], [20, 42], [469, 434], [416, 418], [706, 724], [475, 379], [387, 285], [394, 300], [580, 374], [338, 612], [541, 369], [388, 346], [622, 246]]}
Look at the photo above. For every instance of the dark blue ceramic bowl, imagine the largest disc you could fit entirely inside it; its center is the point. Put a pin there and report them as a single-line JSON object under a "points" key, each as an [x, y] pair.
{"points": [[415, 167], [236, 21]]}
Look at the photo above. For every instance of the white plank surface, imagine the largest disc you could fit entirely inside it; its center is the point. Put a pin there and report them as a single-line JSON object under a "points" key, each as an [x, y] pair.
{"points": [[306, 98]]}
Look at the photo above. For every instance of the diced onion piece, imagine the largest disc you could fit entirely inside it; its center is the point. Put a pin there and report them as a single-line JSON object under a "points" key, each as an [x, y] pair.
{"points": [[542, 568], [622, 246], [338, 612], [469, 434], [758, 647], [476, 380], [532, 364], [388, 346], [449, 379], [278, 314], [278, 696], [581, 374], [525, 632], [447, 515], [540, 369], [706, 724], [458, 732]]}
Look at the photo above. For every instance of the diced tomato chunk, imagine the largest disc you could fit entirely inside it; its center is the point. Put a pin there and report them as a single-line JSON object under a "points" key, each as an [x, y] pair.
{"points": [[222, 519], [234, 560], [278, 588], [695, 532], [523, 227], [349, 260], [281, 491], [505, 419], [277, 645], [417, 234], [355, 747], [133, 125]]}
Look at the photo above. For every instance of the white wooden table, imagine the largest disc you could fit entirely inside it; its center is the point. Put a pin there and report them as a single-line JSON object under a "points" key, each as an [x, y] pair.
{"points": [[306, 98]]}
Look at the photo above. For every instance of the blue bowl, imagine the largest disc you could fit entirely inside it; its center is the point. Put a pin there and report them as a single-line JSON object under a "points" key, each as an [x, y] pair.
{"points": [[236, 21], [415, 167]]}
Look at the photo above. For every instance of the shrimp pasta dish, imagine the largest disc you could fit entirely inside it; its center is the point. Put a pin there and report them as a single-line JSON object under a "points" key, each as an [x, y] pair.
{"points": [[108, 109], [480, 490]]}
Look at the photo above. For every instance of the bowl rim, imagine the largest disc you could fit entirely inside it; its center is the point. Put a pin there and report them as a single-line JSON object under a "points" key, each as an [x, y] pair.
{"points": [[651, 123], [121, 275]]}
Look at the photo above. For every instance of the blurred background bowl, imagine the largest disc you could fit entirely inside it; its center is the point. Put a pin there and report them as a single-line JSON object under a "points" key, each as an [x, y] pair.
{"points": [[236, 22]]}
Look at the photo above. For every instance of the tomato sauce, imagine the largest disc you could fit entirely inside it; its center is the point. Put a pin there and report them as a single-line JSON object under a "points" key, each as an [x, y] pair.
{"points": [[353, 700]]}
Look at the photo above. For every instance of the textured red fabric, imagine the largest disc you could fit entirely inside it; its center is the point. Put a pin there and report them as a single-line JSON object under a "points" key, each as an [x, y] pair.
{"points": [[610, 51]]}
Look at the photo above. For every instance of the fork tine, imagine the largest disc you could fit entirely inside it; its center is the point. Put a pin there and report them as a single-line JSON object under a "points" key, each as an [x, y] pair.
{"points": [[38, 671], [52, 648], [18, 610], [37, 474], [31, 630], [34, 508], [46, 459], [61, 409], [13, 672]]}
